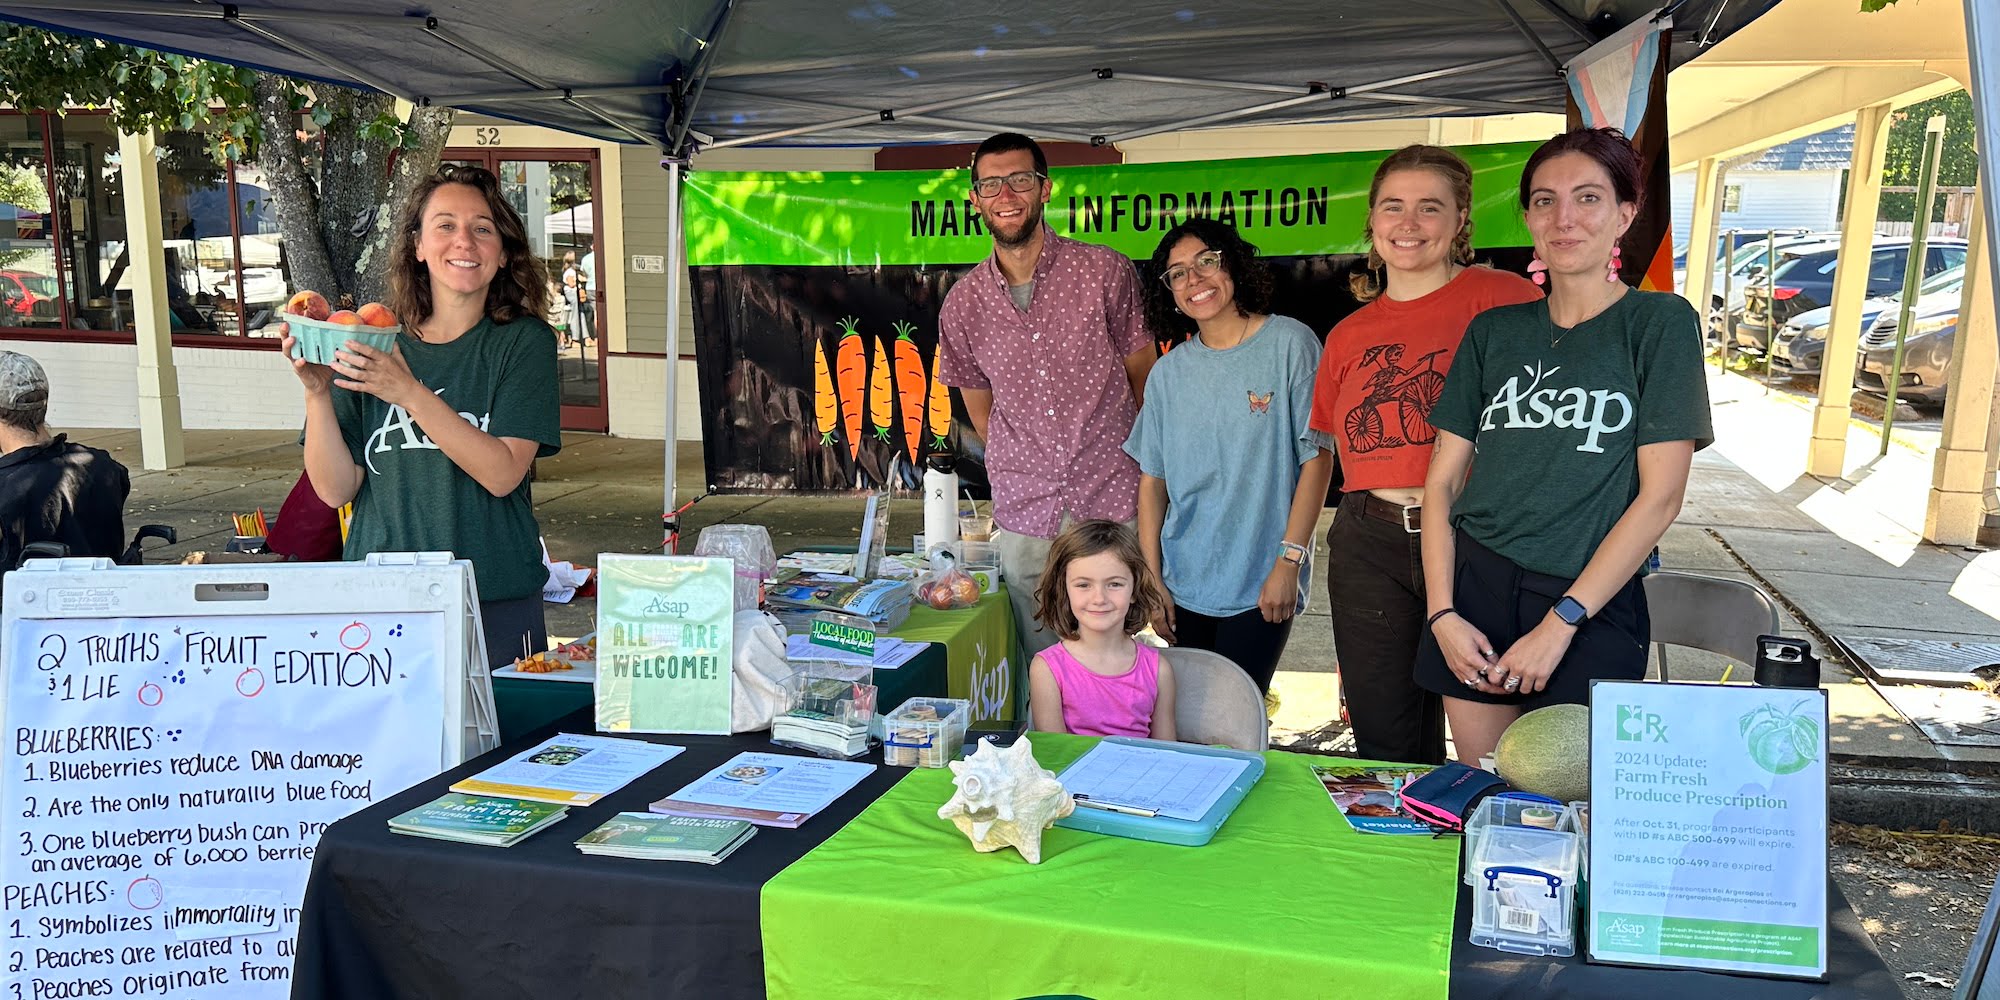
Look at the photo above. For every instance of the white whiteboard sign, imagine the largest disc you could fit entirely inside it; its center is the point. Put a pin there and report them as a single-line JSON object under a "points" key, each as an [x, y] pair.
{"points": [[168, 775]]}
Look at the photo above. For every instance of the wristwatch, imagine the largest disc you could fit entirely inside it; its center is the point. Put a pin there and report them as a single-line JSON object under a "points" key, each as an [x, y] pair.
{"points": [[1292, 552], [1571, 611]]}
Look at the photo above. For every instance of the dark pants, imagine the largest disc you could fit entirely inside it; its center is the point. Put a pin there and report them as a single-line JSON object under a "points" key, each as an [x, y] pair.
{"points": [[1506, 601], [1246, 638], [1375, 588], [513, 628]]}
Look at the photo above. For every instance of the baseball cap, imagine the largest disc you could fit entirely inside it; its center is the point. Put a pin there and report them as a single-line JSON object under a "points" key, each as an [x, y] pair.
{"points": [[22, 382]]}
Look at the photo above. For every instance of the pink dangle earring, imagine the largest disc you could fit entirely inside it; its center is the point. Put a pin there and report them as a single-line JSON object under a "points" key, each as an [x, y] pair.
{"points": [[1611, 271], [1538, 272]]}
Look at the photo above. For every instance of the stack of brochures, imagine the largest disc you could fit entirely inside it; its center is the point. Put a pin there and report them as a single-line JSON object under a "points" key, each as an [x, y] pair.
{"points": [[478, 819], [885, 603], [667, 838], [821, 732], [767, 789], [569, 769]]}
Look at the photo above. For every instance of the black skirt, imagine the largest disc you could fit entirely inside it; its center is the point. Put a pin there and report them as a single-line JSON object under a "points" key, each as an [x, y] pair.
{"points": [[1506, 602]]}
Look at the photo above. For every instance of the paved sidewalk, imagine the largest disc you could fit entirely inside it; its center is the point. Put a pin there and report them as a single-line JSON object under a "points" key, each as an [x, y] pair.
{"points": [[1843, 557]]}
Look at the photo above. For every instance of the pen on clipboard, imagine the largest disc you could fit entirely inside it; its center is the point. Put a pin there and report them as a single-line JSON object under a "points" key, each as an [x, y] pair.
{"points": [[1115, 807]]}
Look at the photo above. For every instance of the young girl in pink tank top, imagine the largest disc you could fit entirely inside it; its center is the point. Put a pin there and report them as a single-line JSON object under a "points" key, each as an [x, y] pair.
{"points": [[1096, 593]]}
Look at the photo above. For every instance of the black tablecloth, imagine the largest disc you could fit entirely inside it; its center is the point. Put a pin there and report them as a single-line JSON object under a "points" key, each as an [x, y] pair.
{"points": [[1854, 970], [390, 916]]}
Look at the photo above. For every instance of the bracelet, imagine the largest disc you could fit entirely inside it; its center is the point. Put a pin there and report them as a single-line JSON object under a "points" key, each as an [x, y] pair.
{"points": [[1293, 552], [1433, 620]]}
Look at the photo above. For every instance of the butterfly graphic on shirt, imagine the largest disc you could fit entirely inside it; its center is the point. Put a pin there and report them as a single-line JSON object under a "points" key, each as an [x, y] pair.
{"points": [[1407, 392], [1260, 402]]}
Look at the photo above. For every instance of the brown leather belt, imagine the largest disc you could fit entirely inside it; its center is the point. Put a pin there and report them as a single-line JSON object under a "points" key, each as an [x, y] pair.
{"points": [[1409, 518]]}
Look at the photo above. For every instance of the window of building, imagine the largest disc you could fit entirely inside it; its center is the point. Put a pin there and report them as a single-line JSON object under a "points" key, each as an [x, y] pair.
{"points": [[1732, 197], [65, 260]]}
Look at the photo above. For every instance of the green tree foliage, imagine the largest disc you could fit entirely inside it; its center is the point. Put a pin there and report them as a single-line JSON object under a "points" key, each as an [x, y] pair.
{"points": [[1958, 165], [328, 193]]}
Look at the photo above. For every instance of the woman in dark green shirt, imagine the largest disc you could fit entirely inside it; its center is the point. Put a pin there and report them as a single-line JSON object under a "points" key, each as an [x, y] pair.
{"points": [[432, 440], [1586, 409]]}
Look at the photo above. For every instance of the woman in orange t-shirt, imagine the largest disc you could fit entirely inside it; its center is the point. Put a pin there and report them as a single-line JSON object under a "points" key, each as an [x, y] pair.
{"points": [[1382, 370]]}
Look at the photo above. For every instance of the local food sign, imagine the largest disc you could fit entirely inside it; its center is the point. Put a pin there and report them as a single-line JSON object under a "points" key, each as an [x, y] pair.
{"points": [[1708, 827]]}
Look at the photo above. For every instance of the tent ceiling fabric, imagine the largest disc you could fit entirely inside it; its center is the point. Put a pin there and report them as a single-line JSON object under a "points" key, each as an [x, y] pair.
{"points": [[790, 67]]}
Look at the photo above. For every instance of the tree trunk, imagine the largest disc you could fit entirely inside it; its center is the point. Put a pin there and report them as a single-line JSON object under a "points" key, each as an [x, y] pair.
{"points": [[336, 226]]}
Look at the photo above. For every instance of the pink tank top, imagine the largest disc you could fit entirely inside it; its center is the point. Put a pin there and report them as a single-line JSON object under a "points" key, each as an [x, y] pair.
{"points": [[1096, 705]]}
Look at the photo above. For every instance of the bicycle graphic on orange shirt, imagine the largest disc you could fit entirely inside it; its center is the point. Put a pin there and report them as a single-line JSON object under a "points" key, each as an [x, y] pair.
{"points": [[1412, 391]]}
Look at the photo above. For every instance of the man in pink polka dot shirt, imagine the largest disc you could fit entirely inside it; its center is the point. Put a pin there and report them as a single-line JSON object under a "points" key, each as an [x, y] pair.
{"points": [[1046, 343]]}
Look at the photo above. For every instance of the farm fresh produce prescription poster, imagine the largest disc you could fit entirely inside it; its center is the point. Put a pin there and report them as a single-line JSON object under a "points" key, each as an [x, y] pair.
{"points": [[1708, 827], [816, 295]]}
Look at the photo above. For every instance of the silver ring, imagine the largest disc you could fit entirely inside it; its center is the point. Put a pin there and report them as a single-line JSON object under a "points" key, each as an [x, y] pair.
{"points": [[1469, 682], [1513, 682]]}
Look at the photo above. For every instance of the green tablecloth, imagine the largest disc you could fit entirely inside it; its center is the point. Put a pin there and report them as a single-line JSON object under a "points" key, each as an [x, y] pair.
{"points": [[1285, 901], [983, 666]]}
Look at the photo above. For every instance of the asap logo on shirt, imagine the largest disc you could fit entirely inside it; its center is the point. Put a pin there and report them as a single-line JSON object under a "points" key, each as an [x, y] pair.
{"points": [[399, 431], [1595, 412]]}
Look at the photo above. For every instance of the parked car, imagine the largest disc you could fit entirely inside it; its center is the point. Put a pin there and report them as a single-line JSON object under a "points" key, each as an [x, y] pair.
{"points": [[1745, 264], [25, 295], [1803, 340], [1926, 374], [1804, 282]]}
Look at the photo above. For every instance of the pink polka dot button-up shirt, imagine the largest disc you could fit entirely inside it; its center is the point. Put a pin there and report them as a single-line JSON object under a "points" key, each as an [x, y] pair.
{"points": [[1062, 405]]}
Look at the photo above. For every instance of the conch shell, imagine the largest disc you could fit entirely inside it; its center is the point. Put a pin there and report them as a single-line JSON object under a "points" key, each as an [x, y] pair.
{"points": [[1005, 799]]}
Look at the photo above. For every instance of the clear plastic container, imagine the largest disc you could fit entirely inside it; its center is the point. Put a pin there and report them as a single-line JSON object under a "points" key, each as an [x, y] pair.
{"points": [[1525, 897], [750, 546], [925, 732], [1508, 809]]}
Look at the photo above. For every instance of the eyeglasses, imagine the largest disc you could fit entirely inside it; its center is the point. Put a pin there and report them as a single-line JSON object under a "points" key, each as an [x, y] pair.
{"points": [[1019, 183], [1205, 264]]}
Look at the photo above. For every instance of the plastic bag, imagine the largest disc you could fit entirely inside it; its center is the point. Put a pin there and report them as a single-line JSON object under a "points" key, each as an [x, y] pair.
{"points": [[750, 546], [945, 586]]}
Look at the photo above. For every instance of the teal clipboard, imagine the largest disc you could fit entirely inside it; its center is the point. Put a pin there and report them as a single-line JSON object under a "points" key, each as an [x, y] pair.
{"points": [[1164, 829]]}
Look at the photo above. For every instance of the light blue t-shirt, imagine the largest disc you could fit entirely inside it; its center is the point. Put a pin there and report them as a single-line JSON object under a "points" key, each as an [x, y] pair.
{"points": [[1225, 430]]}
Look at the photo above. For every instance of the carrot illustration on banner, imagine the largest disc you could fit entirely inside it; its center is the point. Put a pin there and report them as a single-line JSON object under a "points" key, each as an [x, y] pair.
{"points": [[879, 395], [940, 409], [826, 405], [911, 388], [851, 374]]}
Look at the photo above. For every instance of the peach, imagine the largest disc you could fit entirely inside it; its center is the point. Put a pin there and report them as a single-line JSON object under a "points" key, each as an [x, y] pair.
{"points": [[345, 316], [376, 314], [310, 304]]}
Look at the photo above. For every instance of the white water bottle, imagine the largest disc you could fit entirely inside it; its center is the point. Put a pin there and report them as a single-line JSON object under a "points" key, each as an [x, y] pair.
{"points": [[940, 502]]}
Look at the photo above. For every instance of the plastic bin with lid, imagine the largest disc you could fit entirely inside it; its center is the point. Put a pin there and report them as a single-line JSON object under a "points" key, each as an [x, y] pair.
{"points": [[1524, 900]]}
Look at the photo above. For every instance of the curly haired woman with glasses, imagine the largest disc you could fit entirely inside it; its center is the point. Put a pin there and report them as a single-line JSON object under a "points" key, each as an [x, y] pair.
{"points": [[1229, 490]]}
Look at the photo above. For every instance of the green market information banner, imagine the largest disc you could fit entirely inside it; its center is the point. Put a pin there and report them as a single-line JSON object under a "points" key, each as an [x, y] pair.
{"points": [[665, 638], [1708, 827], [816, 295]]}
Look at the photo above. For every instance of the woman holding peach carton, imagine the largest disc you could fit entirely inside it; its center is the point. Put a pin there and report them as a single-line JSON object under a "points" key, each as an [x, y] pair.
{"points": [[432, 437]]}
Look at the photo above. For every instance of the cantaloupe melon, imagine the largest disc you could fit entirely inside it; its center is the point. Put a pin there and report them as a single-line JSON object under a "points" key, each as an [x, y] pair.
{"points": [[1547, 752]]}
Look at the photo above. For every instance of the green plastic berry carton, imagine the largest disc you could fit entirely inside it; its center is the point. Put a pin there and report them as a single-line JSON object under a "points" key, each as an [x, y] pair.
{"points": [[317, 339]]}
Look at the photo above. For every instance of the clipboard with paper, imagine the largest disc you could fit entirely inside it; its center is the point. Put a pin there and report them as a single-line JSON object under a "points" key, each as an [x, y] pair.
{"points": [[1169, 793]]}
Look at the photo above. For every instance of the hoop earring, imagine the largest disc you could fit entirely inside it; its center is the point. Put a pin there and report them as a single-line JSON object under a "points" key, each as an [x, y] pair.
{"points": [[1538, 272], [1611, 270]]}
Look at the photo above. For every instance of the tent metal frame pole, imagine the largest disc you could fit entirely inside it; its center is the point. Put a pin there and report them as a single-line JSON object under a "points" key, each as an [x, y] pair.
{"points": [[991, 128], [1437, 74], [920, 119], [891, 114], [1223, 116], [480, 54], [338, 65], [1982, 46], [1521, 24], [676, 256], [1570, 21], [525, 96], [217, 12], [1503, 107], [1189, 81], [704, 64]]}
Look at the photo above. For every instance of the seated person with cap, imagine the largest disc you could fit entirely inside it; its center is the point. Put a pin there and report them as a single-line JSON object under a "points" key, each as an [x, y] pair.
{"points": [[50, 489]]}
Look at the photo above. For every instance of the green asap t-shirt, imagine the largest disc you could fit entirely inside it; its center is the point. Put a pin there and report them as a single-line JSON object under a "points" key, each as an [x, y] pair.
{"points": [[1557, 429], [501, 378]]}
